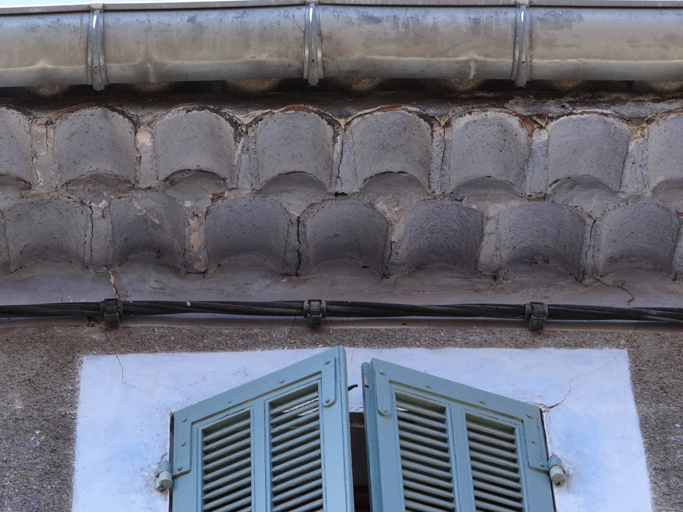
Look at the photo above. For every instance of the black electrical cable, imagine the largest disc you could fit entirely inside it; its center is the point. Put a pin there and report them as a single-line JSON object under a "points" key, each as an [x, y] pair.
{"points": [[376, 309], [342, 309]]}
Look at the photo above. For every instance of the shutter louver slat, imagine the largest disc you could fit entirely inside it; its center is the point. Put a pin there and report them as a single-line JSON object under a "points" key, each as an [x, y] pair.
{"points": [[230, 498], [246, 473], [316, 505], [423, 439], [443, 476], [289, 475], [296, 482], [234, 491], [246, 463], [502, 445], [239, 484], [297, 451], [299, 421], [223, 435], [488, 460], [500, 483], [494, 452], [296, 462], [298, 432], [228, 450], [413, 506], [236, 507], [424, 479], [297, 501], [427, 489], [295, 459], [494, 461], [425, 459], [297, 441], [505, 475], [227, 460], [418, 447], [489, 507], [297, 490]]}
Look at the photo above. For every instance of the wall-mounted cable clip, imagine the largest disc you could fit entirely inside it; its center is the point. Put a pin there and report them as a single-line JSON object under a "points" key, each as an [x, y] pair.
{"points": [[111, 311], [536, 313], [315, 311]]}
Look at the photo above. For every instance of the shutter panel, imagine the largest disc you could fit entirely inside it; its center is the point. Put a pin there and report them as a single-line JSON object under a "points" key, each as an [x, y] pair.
{"points": [[439, 446], [278, 444]]}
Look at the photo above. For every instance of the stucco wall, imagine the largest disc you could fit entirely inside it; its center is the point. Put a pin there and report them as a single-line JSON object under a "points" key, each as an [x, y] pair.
{"points": [[589, 414], [41, 366]]}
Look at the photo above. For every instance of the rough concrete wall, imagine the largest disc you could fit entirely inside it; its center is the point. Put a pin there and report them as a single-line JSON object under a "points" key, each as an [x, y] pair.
{"points": [[39, 367], [480, 191]]}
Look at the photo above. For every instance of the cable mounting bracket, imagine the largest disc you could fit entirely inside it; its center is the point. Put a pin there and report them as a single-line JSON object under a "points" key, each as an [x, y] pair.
{"points": [[315, 310], [536, 313]]}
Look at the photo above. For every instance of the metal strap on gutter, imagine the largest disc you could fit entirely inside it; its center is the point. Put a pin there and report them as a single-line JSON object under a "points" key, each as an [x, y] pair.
{"points": [[96, 67], [313, 54], [521, 67]]}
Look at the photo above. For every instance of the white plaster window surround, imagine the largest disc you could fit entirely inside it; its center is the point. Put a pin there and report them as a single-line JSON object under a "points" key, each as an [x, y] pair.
{"points": [[590, 415]]}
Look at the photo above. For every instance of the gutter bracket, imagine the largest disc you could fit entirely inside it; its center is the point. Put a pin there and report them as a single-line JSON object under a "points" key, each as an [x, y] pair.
{"points": [[313, 51], [96, 68], [521, 66]]}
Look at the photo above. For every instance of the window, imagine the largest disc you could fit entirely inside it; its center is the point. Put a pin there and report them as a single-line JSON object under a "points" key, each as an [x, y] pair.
{"points": [[448, 447], [282, 443]]}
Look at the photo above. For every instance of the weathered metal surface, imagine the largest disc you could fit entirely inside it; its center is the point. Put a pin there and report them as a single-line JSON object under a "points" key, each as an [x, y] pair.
{"points": [[452, 42]]}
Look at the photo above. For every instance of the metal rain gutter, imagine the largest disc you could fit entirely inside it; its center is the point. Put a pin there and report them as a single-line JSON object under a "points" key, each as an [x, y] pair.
{"points": [[130, 42]]}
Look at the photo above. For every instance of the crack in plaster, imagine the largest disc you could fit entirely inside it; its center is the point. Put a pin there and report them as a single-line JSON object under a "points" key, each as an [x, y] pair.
{"points": [[442, 164], [123, 377], [547, 408], [620, 287], [298, 247], [89, 242], [338, 181], [388, 262], [112, 280], [41, 148], [590, 249]]}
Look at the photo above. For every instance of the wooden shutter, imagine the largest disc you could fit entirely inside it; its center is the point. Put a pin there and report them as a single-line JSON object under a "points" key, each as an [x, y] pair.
{"points": [[278, 444], [439, 446]]}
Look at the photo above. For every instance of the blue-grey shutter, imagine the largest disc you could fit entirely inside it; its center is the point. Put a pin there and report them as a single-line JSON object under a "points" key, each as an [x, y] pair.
{"points": [[438, 446], [278, 444]]}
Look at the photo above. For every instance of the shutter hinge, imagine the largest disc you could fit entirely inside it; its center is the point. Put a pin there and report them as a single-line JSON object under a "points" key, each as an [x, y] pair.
{"points": [[315, 310], [536, 314], [111, 311], [556, 471], [164, 479]]}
